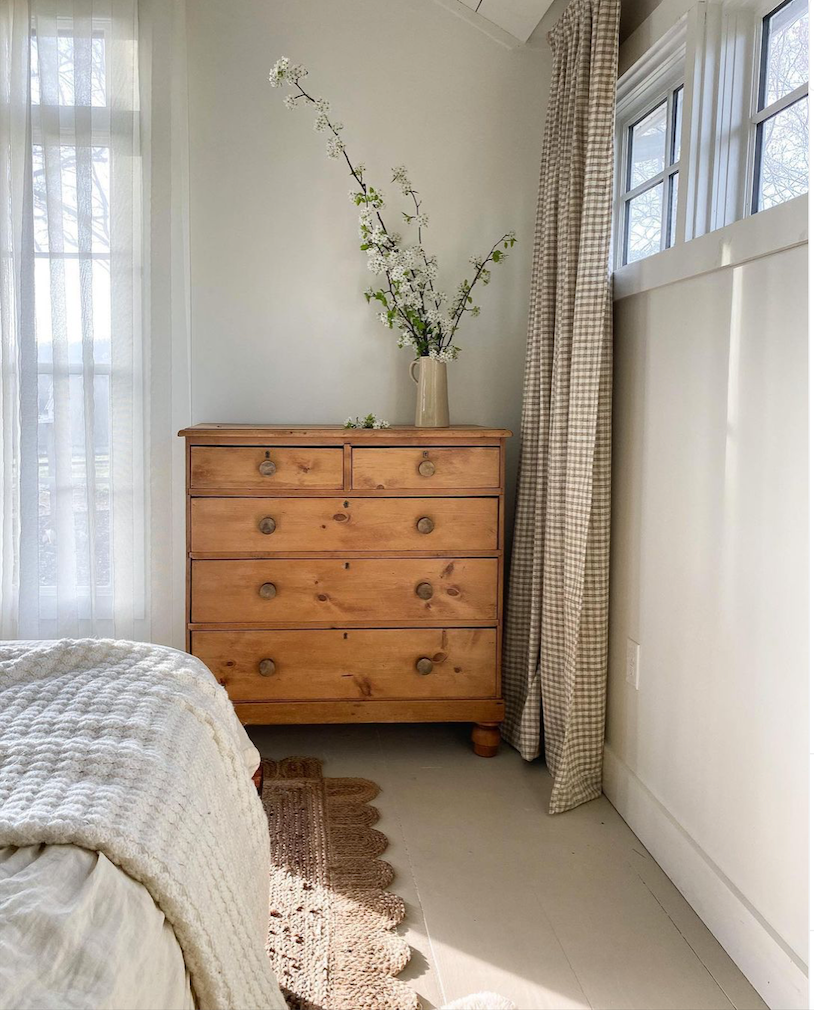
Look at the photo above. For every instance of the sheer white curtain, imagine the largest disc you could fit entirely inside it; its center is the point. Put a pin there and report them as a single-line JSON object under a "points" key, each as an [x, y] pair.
{"points": [[89, 487]]}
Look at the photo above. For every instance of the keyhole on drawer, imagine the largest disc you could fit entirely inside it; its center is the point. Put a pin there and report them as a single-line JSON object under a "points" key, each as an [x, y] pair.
{"points": [[425, 454], [268, 454], [345, 504], [347, 565]]}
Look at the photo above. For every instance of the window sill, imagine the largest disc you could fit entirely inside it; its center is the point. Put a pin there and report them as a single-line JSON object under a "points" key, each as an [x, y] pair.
{"points": [[770, 231]]}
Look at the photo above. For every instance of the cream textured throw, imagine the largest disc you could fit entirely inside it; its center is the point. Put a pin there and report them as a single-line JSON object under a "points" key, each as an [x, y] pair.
{"points": [[133, 750]]}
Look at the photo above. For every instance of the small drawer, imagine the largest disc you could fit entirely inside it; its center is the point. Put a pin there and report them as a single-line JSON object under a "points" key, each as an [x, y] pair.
{"points": [[352, 665], [275, 525], [246, 466], [468, 467], [330, 590]]}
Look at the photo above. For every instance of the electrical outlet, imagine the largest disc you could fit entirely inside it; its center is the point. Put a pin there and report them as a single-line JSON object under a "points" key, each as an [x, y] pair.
{"points": [[632, 671]]}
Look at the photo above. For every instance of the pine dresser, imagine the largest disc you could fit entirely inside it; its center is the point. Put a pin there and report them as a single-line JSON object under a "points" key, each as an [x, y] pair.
{"points": [[342, 575]]}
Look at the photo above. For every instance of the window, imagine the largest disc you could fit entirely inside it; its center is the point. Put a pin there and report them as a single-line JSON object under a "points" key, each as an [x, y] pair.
{"points": [[781, 118], [71, 229], [712, 125], [71, 226], [651, 176]]}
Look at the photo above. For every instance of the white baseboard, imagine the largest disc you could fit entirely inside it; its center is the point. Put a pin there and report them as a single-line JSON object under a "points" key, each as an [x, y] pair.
{"points": [[761, 954]]}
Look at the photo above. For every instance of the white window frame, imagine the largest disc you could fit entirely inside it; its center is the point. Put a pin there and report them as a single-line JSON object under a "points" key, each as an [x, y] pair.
{"points": [[663, 178], [650, 82], [759, 116], [715, 49]]}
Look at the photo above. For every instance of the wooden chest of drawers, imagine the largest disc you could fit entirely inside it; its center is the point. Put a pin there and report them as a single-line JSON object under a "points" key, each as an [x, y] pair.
{"points": [[339, 575]]}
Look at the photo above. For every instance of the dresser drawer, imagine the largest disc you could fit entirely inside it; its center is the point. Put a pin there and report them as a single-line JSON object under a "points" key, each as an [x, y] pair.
{"points": [[239, 466], [400, 590], [351, 665], [237, 525], [470, 467]]}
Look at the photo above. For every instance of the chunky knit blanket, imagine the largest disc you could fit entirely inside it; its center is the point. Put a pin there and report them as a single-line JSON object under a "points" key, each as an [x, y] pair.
{"points": [[132, 750]]}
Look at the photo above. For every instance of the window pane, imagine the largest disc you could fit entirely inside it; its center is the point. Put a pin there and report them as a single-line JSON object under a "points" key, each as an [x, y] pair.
{"points": [[64, 164], [678, 109], [673, 218], [785, 51], [643, 224], [90, 540], [647, 137], [76, 74], [782, 143]]}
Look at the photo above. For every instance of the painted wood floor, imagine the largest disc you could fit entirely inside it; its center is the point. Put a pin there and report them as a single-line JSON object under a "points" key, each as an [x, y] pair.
{"points": [[566, 912]]}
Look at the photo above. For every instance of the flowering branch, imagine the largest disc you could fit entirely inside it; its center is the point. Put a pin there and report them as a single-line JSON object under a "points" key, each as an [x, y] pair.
{"points": [[408, 295]]}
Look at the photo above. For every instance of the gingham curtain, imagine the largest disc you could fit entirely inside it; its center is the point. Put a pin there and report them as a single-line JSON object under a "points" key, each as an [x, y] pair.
{"points": [[555, 656]]}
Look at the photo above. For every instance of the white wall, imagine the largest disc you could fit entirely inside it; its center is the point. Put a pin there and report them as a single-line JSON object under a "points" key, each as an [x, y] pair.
{"points": [[707, 760], [281, 331]]}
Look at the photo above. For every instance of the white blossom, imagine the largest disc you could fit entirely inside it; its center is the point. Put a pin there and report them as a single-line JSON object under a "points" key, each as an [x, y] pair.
{"points": [[334, 147], [375, 261], [323, 105], [290, 102], [279, 72]]}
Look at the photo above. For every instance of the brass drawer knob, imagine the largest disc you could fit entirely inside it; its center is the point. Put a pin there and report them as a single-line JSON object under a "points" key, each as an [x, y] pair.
{"points": [[424, 590], [267, 525], [426, 468], [267, 667], [268, 468], [424, 666], [425, 525], [268, 590]]}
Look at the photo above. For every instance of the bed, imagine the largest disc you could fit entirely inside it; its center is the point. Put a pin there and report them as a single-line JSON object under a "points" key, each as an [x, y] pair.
{"points": [[133, 847]]}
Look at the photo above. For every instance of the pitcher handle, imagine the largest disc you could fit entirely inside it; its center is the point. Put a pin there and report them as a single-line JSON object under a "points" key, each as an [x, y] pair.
{"points": [[413, 364]]}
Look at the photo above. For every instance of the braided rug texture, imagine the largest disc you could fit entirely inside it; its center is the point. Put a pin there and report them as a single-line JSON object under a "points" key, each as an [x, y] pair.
{"points": [[331, 919]]}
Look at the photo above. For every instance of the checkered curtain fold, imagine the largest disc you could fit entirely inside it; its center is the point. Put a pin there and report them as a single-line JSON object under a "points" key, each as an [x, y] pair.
{"points": [[555, 654]]}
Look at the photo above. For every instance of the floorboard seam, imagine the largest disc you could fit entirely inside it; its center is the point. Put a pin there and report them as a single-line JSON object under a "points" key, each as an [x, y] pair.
{"points": [[683, 937], [430, 944]]}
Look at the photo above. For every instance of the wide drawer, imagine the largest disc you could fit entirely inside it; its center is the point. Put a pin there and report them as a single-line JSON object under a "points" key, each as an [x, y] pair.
{"points": [[272, 525], [246, 466], [469, 467], [331, 590], [351, 665]]}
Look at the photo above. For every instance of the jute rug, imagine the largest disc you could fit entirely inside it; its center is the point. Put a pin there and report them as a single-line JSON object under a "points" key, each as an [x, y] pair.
{"points": [[331, 919]]}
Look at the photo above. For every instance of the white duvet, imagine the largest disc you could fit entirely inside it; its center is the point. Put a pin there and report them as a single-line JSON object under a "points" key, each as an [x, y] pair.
{"points": [[76, 932], [127, 754]]}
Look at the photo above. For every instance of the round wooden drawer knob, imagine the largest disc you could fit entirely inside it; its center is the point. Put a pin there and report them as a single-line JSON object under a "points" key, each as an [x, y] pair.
{"points": [[267, 468], [267, 667], [425, 525], [424, 666], [268, 590], [426, 468], [424, 590], [267, 525]]}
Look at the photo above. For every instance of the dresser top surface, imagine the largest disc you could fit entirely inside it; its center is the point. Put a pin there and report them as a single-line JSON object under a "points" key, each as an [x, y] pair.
{"points": [[454, 432]]}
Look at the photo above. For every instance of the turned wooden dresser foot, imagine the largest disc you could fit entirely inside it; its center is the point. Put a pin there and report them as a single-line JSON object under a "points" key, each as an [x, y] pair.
{"points": [[257, 778], [486, 739]]}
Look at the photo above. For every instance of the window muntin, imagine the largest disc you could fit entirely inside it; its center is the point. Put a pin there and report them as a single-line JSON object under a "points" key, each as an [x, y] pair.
{"points": [[648, 207], [780, 121]]}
